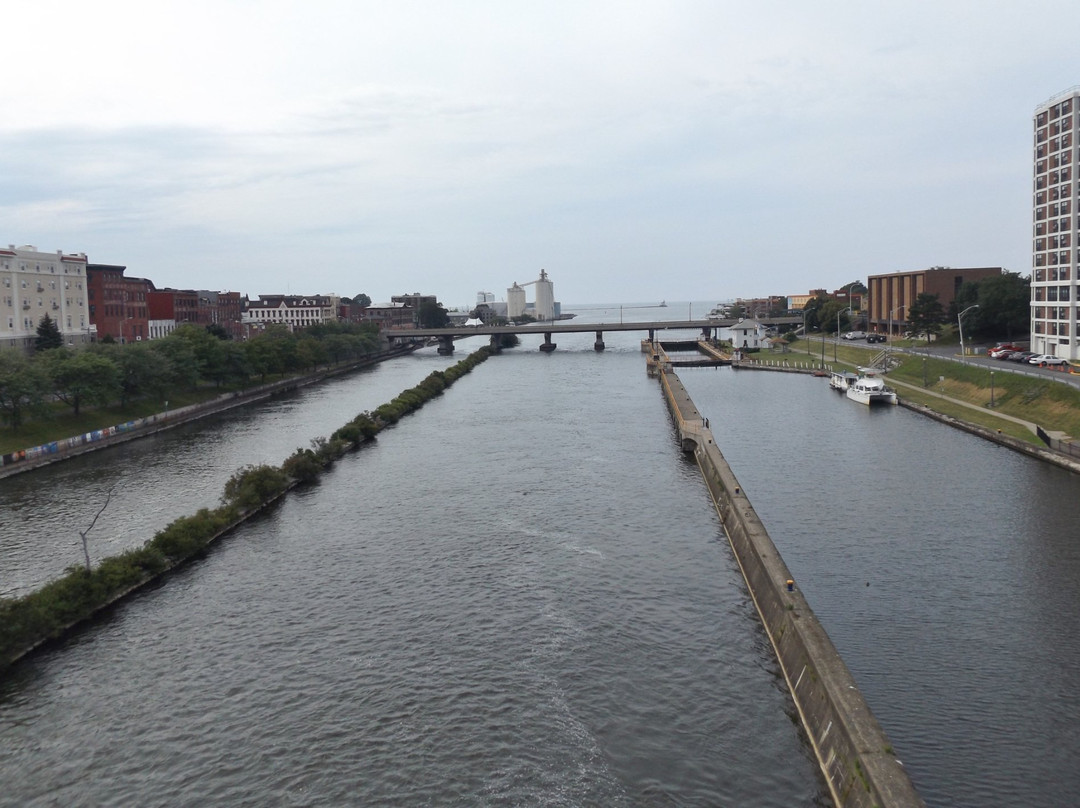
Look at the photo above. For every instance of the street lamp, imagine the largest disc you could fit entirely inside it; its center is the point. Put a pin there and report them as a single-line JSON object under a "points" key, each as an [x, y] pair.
{"points": [[991, 389], [960, 323], [835, 344], [891, 313]]}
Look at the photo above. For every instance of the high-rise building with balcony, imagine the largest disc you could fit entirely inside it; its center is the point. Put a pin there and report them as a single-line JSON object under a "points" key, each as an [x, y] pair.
{"points": [[1055, 253]]}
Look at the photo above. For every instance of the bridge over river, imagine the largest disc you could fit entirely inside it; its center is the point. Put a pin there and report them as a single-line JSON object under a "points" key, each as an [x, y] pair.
{"points": [[446, 336]]}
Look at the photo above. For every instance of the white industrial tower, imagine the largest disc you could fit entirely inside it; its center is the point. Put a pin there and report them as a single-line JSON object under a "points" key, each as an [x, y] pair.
{"points": [[544, 308]]}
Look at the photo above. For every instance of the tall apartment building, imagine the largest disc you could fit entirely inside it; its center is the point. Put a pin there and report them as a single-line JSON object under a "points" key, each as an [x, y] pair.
{"points": [[1055, 252], [33, 284]]}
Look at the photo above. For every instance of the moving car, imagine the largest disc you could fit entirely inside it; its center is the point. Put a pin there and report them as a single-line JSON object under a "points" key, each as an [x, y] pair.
{"points": [[854, 335]]}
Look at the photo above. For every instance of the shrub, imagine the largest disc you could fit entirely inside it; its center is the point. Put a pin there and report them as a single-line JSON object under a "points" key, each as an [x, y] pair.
{"points": [[253, 486], [303, 465]]}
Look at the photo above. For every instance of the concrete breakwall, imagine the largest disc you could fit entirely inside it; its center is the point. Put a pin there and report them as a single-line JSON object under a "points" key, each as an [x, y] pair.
{"points": [[852, 749]]}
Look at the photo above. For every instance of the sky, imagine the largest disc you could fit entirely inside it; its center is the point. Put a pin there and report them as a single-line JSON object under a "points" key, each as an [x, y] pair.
{"points": [[637, 150]]}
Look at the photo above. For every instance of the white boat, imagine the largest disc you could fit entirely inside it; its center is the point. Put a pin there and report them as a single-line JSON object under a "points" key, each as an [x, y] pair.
{"points": [[841, 380], [870, 389], [720, 312]]}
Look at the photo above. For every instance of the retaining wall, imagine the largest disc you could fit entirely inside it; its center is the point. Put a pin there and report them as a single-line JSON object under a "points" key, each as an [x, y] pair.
{"points": [[37, 456], [852, 749]]}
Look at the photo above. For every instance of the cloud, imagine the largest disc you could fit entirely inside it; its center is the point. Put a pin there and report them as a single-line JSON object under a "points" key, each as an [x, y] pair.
{"points": [[743, 150]]}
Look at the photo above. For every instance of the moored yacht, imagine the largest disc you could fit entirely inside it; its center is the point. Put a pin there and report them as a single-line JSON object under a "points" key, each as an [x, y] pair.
{"points": [[869, 388]]}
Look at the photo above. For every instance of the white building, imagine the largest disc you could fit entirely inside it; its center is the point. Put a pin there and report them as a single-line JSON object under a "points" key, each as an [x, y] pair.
{"points": [[545, 298], [515, 301], [293, 311], [745, 334], [1055, 252], [33, 284]]}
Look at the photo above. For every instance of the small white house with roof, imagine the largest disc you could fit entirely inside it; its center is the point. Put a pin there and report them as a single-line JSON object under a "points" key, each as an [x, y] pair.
{"points": [[745, 334]]}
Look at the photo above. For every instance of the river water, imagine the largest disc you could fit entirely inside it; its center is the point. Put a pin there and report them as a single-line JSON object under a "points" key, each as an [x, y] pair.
{"points": [[520, 595]]}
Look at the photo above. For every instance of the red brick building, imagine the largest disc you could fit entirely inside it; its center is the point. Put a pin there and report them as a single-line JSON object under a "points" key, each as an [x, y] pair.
{"points": [[117, 304]]}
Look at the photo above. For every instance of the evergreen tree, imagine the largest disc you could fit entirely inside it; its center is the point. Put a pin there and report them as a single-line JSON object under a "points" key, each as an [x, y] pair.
{"points": [[926, 315], [48, 335]]}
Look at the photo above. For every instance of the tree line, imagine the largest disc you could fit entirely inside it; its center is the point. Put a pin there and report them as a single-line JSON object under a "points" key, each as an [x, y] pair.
{"points": [[106, 372]]}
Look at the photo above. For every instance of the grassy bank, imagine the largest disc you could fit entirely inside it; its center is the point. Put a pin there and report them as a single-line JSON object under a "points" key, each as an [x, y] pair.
{"points": [[1049, 403], [54, 609], [62, 424]]}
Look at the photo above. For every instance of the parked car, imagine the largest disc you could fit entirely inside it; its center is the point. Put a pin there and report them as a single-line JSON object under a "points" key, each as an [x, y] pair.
{"points": [[1046, 360], [1021, 356], [854, 335], [1001, 352], [875, 337]]}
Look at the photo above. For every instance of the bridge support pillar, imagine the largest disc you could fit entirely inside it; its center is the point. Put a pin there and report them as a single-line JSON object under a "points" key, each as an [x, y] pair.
{"points": [[599, 344], [495, 343], [548, 346], [652, 335], [446, 346]]}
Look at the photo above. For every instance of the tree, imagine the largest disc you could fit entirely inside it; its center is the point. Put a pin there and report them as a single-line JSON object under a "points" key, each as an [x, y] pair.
{"points": [[48, 335], [218, 330], [361, 300], [82, 378], [812, 312], [181, 361], [432, 315], [926, 314], [24, 387], [141, 371], [1004, 306], [833, 311]]}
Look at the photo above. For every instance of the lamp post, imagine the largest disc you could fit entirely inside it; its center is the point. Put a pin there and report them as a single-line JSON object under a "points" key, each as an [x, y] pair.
{"points": [[960, 324], [835, 344], [991, 389], [889, 350], [805, 332]]}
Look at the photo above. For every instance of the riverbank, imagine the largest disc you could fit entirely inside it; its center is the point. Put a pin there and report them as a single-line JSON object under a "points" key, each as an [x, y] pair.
{"points": [[1011, 410], [62, 605], [64, 448]]}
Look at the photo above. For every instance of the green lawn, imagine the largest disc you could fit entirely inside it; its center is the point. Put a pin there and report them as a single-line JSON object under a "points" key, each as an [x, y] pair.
{"points": [[62, 424], [1050, 404]]}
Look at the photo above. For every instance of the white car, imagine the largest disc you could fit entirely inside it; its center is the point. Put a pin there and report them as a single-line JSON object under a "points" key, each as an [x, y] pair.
{"points": [[854, 335], [1046, 360]]}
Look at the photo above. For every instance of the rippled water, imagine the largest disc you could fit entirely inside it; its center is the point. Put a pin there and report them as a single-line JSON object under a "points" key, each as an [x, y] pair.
{"points": [[521, 596], [943, 567], [518, 596], [158, 479]]}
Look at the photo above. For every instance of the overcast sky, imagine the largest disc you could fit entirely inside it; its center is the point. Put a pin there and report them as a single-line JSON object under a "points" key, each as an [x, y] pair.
{"points": [[636, 150]]}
